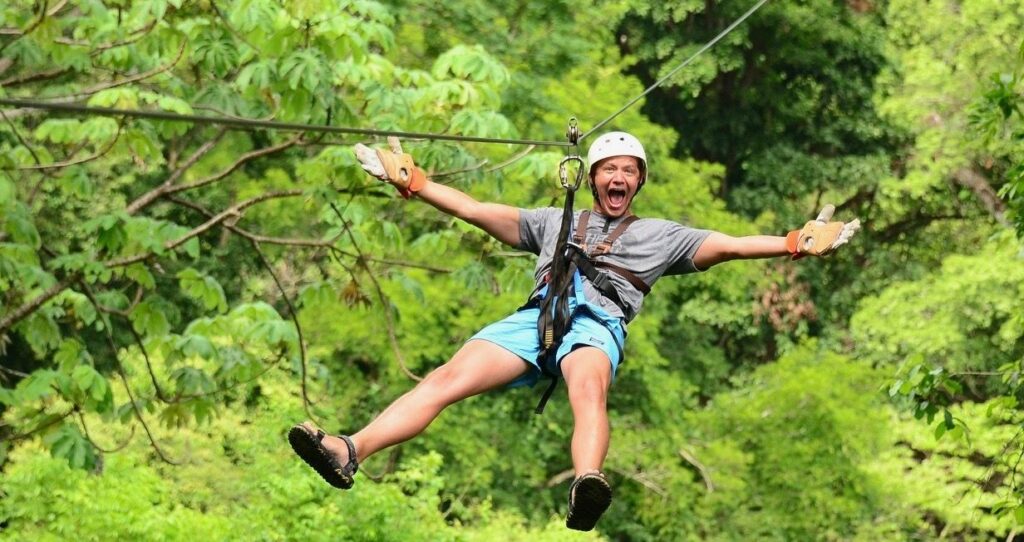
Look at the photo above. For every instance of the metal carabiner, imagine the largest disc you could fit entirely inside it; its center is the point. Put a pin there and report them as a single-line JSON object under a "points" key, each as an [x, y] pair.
{"points": [[563, 172], [572, 133]]}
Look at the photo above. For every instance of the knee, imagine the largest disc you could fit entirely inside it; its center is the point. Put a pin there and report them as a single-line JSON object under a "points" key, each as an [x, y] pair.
{"points": [[439, 379], [438, 386], [589, 390]]}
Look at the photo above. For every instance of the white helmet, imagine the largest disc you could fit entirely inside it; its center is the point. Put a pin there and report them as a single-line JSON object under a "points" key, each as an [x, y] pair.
{"points": [[617, 144]]}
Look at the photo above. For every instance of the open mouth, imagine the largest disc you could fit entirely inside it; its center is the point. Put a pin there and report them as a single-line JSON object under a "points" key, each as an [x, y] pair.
{"points": [[616, 197]]}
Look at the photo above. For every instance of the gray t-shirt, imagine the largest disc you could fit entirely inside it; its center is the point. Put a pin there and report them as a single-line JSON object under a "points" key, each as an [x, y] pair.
{"points": [[650, 248]]}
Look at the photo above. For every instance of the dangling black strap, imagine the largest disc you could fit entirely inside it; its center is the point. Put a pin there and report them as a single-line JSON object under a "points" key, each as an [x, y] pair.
{"points": [[547, 394]]}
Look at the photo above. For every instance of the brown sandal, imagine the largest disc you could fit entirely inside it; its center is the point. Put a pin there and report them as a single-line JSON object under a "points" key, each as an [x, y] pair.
{"points": [[310, 448], [589, 496]]}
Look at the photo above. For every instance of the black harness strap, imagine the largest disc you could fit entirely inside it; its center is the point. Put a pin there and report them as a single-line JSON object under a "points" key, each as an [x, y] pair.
{"points": [[589, 268], [555, 318]]}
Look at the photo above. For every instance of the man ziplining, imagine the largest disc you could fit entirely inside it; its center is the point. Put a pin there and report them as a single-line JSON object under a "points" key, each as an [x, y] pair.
{"points": [[613, 260]]}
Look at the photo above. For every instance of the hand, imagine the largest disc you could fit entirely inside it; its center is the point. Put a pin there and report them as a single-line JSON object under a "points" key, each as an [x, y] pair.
{"points": [[820, 237], [392, 166]]}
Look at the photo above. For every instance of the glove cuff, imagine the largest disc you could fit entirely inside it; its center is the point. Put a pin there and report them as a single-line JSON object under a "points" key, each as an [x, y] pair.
{"points": [[792, 244], [417, 181]]}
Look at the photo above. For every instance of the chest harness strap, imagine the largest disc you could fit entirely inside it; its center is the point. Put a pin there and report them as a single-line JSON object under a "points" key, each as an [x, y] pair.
{"points": [[571, 259]]}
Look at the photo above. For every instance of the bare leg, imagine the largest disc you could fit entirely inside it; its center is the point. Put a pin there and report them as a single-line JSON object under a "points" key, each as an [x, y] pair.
{"points": [[477, 367], [587, 372]]}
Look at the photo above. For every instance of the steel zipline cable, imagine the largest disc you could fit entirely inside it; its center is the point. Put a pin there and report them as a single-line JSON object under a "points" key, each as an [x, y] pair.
{"points": [[675, 70], [249, 124], [241, 123]]}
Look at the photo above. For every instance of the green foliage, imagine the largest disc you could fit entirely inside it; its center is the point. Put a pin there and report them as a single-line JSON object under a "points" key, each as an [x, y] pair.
{"points": [[172, 292]]}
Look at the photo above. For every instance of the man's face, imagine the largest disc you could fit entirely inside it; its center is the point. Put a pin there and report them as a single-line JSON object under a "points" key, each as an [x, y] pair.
{"points": [[616, 180]]}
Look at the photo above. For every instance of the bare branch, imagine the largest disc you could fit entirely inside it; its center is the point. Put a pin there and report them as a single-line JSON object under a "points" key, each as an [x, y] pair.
{"points": [[67, 163], [233, 211], [973, 179], [15, 113], [458, 171], [136, 35], [115, 449], [298, 329], [119, 369], [149, 197], [301, 242], [568, 474], [53, 420], [180, 398], [17, 134], [33, 77], [145, 356], [515, 158], [227, 115], [29, 307], [385, 305], [231, 28], [641, 479], [559, 478], [127, 81], [692, 460], [238, 163], [43, 14], [138, 414]]}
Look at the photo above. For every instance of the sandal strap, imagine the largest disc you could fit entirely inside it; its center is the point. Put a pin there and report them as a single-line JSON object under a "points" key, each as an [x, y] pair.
{"points": [[352, 466]]}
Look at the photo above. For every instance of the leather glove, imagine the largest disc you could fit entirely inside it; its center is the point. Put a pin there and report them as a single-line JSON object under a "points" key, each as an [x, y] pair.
{"points": [[392, 166], [820, 237]]}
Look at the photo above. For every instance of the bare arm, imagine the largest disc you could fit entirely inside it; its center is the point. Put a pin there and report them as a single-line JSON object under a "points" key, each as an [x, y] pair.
{"points": [[718, 248], [500, 221]]}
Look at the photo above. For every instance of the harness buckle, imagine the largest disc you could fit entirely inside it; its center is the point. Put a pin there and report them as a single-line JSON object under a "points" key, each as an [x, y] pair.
{"points": [[601, 282]]}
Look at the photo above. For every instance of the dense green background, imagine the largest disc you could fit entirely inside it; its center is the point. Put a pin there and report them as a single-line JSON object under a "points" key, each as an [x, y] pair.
{"points": [[174, 296]]}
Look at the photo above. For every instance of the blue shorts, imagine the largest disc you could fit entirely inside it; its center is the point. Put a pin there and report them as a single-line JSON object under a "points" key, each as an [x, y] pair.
{"points": [[591, 326]]}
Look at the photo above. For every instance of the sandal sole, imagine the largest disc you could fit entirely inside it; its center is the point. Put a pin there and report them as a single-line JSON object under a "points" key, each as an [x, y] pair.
{"points": [[309, 449], [589, 501]]}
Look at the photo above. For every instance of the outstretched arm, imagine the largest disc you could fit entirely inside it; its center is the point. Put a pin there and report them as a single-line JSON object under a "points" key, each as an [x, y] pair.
{"points": [[500, 221], [719, 247], [397, 168], [818, 237]]}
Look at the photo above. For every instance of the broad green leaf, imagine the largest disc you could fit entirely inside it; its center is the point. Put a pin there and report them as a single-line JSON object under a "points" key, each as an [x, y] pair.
{"points": [[203, 288], [69, 444], [149, 319]]}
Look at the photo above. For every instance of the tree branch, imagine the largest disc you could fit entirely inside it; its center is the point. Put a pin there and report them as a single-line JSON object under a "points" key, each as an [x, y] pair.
{"points": [[298, 329], [16, 113], [300, 242], [704, 474], [69, 162], [149, 197], [17, 134], [119, 369], [33, 77], [230, 169], [29, 307], [385, 305], [915, 221], [55, 418], [115, 449], [233, 211], [973, 179], [43, 14]]}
